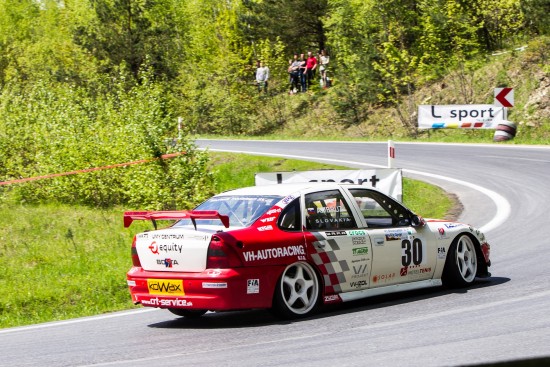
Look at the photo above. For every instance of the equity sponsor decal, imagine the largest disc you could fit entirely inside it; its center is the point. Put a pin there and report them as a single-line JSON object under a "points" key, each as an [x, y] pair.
{"points": [[360, 251], [156, 248], [253, 286], [172, 287], [274, 253], [159, 302]]}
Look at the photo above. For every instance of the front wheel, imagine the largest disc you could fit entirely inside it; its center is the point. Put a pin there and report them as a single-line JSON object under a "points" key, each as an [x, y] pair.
{"points": [[190, 314], [461, 265], [297, 291]]}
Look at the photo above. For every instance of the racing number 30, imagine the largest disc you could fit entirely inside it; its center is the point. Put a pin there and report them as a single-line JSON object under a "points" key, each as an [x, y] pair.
{"points": [[412, 252]]}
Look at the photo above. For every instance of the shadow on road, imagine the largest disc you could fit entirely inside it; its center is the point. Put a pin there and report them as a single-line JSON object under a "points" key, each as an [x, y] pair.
{"points": [[257, 318]]}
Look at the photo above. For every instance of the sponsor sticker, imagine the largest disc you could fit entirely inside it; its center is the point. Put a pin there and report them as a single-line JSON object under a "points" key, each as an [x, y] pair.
{"points": [[360, 251], [274, 253], [253, 286], [335, 233], [357, 233], [441, 254], [211, 285], [395, 234], [159, 302], [359, 240], [171, 287]]}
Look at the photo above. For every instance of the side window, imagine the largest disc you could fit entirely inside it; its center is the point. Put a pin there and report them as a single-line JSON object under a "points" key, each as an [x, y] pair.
{"points": [[378, 210], [290, 218], [328, 210]]}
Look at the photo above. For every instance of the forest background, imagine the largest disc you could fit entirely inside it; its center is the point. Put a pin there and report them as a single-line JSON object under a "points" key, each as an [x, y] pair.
{"points": [[90, 83]]}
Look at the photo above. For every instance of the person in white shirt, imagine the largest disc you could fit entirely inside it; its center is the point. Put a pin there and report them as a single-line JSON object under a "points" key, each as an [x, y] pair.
{"points": [[323, 61], [262, 76]]}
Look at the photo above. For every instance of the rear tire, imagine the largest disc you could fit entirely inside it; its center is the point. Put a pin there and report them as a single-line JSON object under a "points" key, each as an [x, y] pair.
{"points": [[190, 314], [297, 291], [461, 265]]}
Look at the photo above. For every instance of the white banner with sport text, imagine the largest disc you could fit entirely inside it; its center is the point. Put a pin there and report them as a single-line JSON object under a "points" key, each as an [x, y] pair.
{"points": [[460, 116], [387, 180]]}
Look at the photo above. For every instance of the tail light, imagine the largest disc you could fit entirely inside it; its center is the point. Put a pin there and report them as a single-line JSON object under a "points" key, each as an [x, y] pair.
{"points": [[135, 257], [221, 256]]}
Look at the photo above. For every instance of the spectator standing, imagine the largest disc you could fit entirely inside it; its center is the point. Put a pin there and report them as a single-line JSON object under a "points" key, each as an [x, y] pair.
{"points": [[302, 72], [323, 66], [262, 76], [311, 65], [294, 71]]}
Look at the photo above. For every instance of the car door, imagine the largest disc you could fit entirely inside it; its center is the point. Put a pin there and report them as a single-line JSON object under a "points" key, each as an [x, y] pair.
{"points": [[400, 252], [341, 251]]}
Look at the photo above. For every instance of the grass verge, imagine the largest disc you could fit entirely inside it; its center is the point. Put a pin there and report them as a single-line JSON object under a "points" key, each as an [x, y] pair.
{"points": [[62, 261]]}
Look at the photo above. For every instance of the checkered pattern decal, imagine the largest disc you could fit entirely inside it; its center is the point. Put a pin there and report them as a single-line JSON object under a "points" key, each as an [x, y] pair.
{"points": [[325, 258]]}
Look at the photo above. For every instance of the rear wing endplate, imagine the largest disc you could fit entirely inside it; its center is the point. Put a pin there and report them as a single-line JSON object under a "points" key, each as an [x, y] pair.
{"points": [[153, 216]]}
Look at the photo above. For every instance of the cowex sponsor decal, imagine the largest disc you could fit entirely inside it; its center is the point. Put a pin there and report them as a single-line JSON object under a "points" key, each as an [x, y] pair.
{"points": [[173, 287], [274, 253]]}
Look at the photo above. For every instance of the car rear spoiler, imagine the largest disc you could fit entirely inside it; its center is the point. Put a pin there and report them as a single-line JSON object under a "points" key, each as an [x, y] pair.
{"points": [[153, 216]]}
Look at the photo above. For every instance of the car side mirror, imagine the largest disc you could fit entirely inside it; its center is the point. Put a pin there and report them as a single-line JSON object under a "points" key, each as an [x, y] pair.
{"points": [[417, 221]]}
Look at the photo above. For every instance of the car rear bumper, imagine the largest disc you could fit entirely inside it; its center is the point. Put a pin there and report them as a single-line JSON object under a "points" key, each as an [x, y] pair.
{"points": [[212, 289]]}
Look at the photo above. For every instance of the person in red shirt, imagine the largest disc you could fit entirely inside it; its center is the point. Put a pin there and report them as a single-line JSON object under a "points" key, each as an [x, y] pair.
{"points": [[311, 65]]}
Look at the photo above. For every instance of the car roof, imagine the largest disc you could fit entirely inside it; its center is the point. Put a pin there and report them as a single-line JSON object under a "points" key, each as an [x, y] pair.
{"points": [[283, 189]]}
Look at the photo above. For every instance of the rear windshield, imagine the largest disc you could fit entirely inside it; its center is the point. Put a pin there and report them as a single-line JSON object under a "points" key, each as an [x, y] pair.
{"points": [[241, 210]]}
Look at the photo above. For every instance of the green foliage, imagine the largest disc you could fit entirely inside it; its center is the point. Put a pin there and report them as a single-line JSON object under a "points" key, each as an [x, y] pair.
{"points": [[48, 129]]}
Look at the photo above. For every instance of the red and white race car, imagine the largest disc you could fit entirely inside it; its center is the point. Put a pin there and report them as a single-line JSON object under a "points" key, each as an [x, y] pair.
{"points": [[293, 247]]}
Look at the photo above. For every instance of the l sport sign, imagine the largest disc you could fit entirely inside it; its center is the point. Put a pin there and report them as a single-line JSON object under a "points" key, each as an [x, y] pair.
{"points": [[483, 116]]}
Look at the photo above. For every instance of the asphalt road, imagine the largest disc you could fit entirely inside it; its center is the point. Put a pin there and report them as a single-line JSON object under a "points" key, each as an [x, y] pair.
{"points": [[504, 190]]}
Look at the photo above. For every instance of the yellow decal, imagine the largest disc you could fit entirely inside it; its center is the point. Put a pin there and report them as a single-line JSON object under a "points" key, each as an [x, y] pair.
{"points": [[172, 287]]}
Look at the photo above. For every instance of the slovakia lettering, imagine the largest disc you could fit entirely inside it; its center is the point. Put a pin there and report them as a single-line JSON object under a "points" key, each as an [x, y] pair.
{"points": [[274, 253]]}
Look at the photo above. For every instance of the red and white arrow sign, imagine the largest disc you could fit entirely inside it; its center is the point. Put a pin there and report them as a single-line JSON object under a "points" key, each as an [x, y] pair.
{"points": [[504, 97]]}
